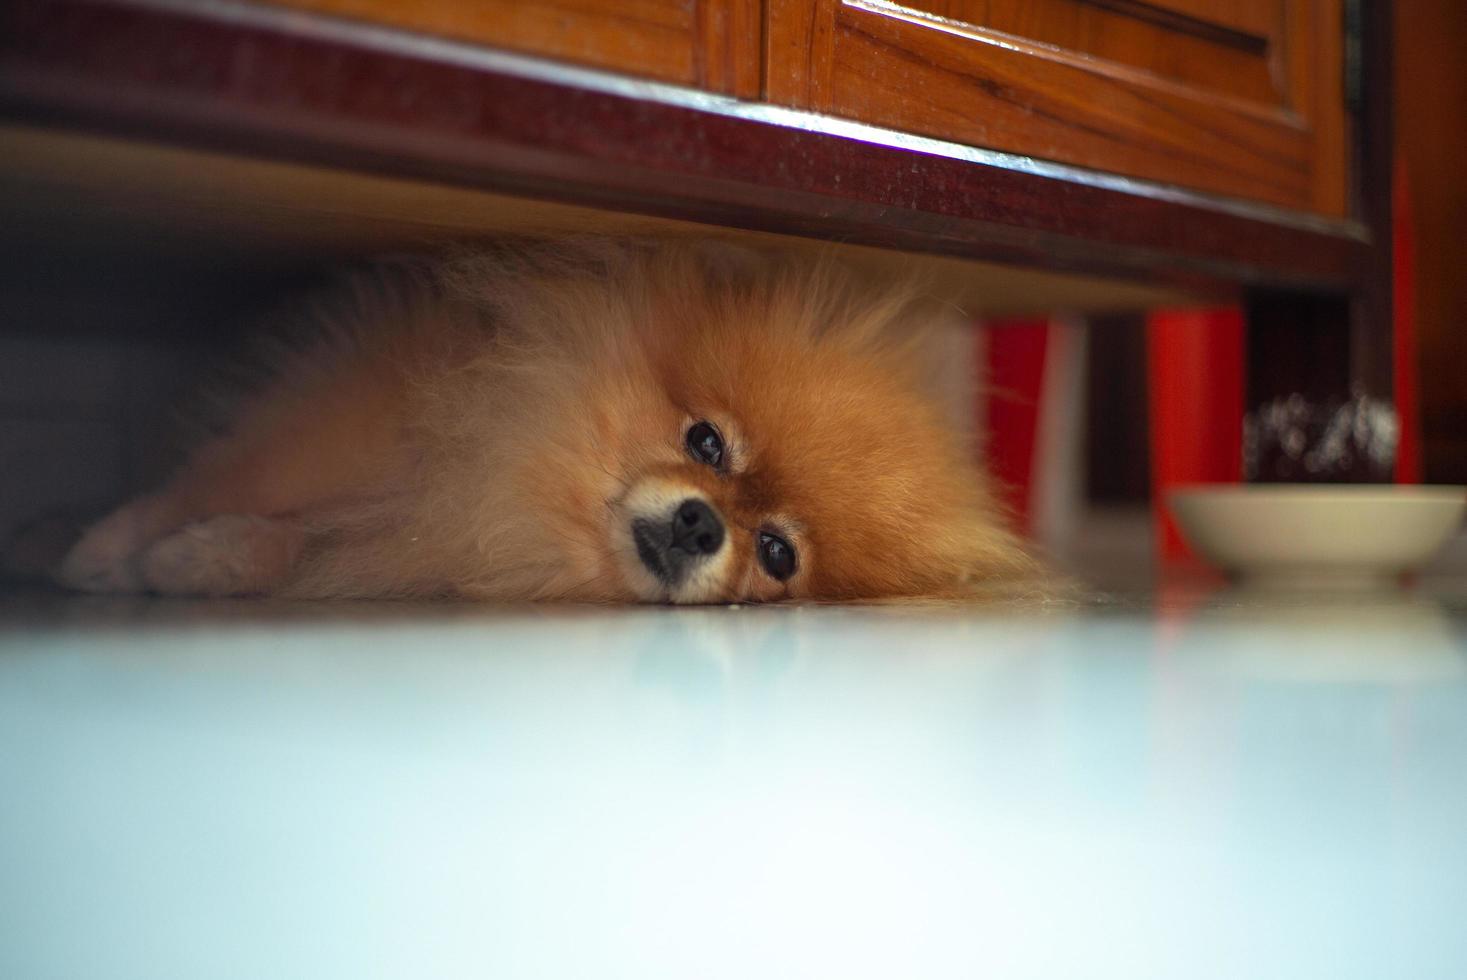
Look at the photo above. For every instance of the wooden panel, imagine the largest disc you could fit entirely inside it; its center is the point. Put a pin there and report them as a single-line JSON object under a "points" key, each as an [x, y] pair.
{"points": [[1239, 97], [1258, 17], [713, 44], [1162, 40]]}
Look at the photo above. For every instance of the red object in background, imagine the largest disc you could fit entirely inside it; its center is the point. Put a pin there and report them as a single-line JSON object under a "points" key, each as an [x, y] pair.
{"points": [[1403, 354], [1014, 368], [1195, 372]]}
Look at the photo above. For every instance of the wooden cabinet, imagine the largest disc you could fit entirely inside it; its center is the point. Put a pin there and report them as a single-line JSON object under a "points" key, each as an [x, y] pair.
{"points": [[1237, 97], [710, 44], [1243, 98]]}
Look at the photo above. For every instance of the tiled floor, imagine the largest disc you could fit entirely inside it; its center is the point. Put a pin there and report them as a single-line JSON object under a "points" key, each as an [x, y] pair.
{"points": [[1200, 785]]}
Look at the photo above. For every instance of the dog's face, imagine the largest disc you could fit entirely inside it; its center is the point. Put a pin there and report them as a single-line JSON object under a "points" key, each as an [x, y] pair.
{"points": [[762, 464], [700, 435]]}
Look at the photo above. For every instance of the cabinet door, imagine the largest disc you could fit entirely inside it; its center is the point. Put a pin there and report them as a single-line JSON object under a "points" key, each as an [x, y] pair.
{"points": [[1237, 97], [712, 44]]}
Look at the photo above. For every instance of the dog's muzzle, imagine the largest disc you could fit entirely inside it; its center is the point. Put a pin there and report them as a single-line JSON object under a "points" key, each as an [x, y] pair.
{"points": [[671, 547]]}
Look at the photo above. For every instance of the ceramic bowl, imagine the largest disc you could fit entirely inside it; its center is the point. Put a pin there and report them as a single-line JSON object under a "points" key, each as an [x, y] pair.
{"points": [[1318, 534]]}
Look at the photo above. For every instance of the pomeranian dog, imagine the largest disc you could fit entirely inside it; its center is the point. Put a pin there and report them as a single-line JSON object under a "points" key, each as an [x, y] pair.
{"points": [[598, 421]]}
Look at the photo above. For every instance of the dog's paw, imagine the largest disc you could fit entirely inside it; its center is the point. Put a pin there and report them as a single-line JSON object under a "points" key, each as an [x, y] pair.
{"points": [[105, 559], [232, 554]]}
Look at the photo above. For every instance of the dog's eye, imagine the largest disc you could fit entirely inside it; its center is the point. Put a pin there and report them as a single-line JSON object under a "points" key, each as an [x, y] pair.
{"points": [[705, 444], [776, 555]]}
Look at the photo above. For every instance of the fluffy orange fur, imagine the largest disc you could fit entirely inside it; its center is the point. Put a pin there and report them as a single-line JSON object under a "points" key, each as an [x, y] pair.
{"points": [[490, 424]]}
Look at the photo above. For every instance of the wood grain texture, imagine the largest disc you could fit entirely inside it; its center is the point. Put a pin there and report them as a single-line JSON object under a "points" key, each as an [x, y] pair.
{"points": [[729, 47], [798, 38], [1315, 94], [1207, 20], [1254, 111], [1255, 17], [1141, 36], [712, 44], [267, 86]]}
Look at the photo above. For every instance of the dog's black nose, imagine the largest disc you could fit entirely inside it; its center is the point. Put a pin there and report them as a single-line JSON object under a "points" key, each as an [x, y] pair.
{"points": [[696, 529]]}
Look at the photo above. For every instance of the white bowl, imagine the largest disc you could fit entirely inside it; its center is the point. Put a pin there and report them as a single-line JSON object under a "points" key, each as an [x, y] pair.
{"points": [[1318, 534]]}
